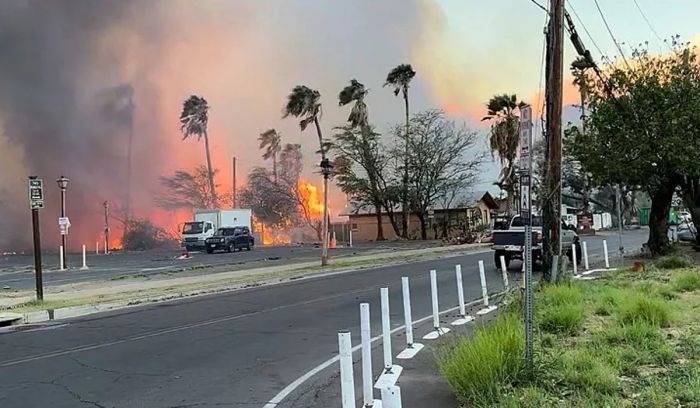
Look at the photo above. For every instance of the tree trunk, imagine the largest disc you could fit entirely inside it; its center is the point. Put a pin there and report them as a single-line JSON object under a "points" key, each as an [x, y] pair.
{"points": [[423, 227], [392, 220], [658, 219], [380, 223], [212, 188], [274, 167], [404, 181]]}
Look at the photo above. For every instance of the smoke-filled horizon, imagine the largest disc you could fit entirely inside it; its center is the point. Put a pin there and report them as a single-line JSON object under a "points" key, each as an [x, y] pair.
{"points": [[77, 76]]}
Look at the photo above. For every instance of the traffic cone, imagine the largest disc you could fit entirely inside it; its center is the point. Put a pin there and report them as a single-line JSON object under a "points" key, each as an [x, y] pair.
{"points": [[185, 254]]}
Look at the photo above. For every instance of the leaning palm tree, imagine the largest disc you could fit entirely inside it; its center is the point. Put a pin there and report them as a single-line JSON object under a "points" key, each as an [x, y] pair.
{"points": [[304, 103], [270, 140], [400, 78], [504, 138], [193, 121], [359, 118]]}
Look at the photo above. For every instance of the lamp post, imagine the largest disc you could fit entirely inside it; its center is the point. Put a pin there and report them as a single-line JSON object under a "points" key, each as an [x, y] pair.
{"points": [[326, 168], [62, 184]]}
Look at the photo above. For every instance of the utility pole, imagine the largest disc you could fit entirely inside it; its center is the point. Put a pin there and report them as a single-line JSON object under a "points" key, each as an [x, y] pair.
{"points": [[234, 183], [618, 199], [106, 206], [553, 91]]}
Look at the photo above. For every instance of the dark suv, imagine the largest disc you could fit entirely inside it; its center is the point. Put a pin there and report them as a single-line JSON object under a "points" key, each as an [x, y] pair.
{"points": [[230, 239]]}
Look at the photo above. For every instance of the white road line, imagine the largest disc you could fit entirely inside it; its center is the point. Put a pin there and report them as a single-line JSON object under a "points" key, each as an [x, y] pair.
{"points": [[299, 381]]}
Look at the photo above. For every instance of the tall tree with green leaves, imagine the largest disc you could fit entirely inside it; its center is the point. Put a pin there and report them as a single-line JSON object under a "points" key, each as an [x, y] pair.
{"points": [[271, 143], [644, 130], [304, 104], [503, 140], [400, 79], [361, 149], [193, 121]]}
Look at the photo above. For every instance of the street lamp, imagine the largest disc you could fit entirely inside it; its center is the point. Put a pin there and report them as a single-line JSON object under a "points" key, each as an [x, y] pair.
{"points": [[326, 168], [62, 184]]}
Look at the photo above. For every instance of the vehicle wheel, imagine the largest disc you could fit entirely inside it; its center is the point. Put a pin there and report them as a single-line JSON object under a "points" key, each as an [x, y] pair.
{"points": [[210, 251], [230, 248], [497, 259], [247, 248]]}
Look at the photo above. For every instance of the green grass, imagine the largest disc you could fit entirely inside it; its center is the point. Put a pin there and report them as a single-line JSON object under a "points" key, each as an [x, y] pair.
{"points": [[477, 368], [686, 281], [628, 339], [673, 262], [642, 308]]}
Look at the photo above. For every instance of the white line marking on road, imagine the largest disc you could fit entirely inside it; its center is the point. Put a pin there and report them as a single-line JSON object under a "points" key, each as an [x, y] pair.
{"points": [[299, 381]]}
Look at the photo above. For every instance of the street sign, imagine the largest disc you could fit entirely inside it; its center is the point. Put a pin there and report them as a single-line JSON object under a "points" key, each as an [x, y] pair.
{"points": [[36, 193], [525, 208], [525, 139], [63, 224]]}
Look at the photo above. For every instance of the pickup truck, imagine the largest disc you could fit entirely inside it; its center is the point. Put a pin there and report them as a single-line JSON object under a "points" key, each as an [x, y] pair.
{"points": [[230, 239], [509, 243]]}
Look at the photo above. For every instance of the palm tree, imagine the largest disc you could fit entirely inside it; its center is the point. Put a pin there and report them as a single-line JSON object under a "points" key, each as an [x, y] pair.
{"points": [[193, 121], [356, 92], [504, 138], [304, 103], [400, 78], [270, 140]]}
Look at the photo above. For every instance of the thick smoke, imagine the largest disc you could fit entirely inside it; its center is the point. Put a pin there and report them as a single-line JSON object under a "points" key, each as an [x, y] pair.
{"points": [[77, 76]]}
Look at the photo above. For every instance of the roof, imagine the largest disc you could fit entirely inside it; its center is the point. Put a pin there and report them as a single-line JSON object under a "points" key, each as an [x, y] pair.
{"points": [[461, 202]]}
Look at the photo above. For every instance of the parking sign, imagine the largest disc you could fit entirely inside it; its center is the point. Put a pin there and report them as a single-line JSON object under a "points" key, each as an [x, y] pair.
{"points": [[36, 193]]}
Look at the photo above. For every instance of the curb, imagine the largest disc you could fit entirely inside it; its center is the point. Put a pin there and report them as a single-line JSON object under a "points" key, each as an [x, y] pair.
{"points": [[45, 315]]}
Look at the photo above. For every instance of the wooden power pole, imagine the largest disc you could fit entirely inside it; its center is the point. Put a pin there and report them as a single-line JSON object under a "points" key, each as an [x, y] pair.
{"points": [[553, 91], [234, 203]]}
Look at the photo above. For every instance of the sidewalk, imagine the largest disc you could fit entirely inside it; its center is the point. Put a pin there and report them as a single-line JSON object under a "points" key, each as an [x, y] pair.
{"points": [[125, 292]]}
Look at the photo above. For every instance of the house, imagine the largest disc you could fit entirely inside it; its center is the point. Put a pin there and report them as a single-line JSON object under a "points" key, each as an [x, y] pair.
{"points": [[442, 221]]}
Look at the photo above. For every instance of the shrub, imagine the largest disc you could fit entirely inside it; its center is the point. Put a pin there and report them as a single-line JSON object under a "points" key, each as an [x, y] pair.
{"points": [[563, 319], [686, 281], [478, 368], [640, 308], [607, 301], [672, 262]]}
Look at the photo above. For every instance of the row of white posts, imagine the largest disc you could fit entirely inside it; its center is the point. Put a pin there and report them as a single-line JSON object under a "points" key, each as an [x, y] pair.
{"points": [[587, 269], [386, 384], [60, 257]]}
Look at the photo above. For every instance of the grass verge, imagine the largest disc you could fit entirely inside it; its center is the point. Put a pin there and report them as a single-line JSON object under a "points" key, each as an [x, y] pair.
{"points": [[627, 340]]}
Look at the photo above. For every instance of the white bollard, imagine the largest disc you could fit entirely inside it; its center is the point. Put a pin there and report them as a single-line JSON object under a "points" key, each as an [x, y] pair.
{"points": [[60, 254], [411, 348], [391, 372], [574, 258], [386, 329], [351, 236], [391, 397], [436, 309], [84, 259], [504, 272], [585, 255], [366, 338], [464, 318], [605, 250], [484, 292], [97, 247], [347, 382]]}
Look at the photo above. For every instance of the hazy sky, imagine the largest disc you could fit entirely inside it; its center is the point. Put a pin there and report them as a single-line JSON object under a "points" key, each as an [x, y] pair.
{"points": [[245, 56]]}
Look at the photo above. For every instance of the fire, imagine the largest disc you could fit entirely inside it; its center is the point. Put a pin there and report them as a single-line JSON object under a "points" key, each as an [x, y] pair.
{"points": [[272, 236], [312, 198]]}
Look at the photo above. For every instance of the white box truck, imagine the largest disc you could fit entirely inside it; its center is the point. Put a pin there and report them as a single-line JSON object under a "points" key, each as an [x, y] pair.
{"points": [[206, 222]]}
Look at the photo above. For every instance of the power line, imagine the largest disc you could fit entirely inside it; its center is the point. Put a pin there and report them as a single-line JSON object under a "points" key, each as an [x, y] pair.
{"points": [[540, 6], [585, 29], [644, 16], [605, 21]]}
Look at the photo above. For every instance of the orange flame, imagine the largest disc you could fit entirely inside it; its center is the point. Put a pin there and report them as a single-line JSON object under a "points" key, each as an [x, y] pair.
{"points": [[312, 198]]}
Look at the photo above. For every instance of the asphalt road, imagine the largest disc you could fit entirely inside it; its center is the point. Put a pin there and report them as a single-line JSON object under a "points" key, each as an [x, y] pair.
{"points": [[237, 349], [17, 271]]}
